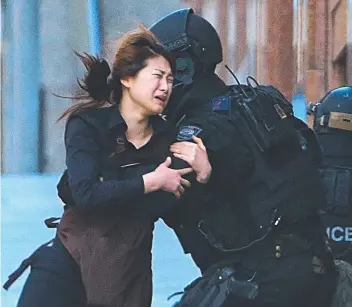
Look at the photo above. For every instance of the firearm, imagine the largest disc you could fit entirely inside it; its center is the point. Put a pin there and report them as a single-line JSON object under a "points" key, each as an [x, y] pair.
{"points": [[213, 291]]}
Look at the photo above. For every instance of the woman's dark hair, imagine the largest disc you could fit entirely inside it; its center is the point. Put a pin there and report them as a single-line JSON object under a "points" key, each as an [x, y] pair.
{"points": [[134, 49]]}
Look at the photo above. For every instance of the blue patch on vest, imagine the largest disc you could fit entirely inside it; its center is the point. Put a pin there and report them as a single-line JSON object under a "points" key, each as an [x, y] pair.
{"points": [[221, 103], [186, 132]]}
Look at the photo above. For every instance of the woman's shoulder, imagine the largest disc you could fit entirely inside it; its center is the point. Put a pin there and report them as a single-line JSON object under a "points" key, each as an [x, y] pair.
{"points": [[96, 117]]}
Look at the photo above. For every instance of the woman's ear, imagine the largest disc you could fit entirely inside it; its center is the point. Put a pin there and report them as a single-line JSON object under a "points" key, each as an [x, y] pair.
{"points": [[126, 82]]}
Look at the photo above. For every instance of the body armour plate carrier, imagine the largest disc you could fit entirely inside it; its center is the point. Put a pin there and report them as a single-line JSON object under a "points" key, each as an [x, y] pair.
{"points": [[285, 184]]}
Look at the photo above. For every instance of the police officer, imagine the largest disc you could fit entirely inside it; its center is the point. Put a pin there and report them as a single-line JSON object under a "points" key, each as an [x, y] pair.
{"points": [[254, 232], [333, 127]]}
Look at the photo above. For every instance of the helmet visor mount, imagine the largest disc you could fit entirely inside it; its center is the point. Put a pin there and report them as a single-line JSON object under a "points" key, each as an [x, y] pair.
{"points": [[337, 120]]}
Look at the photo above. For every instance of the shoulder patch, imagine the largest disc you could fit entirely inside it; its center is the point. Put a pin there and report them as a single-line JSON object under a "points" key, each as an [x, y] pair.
{"points": [[221, 103], [185, 133]]}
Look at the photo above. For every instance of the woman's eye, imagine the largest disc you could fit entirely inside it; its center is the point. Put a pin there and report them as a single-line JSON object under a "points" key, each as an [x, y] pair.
{"points": [[158, 76], [170, 81]]}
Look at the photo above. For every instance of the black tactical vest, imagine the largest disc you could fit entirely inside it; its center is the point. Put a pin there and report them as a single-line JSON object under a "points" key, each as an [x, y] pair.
{"points": [[286, 185], [337, 215]]}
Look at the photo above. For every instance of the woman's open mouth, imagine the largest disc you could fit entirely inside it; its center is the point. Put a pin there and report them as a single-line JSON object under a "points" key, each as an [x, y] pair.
{"points": [[161, 99]]}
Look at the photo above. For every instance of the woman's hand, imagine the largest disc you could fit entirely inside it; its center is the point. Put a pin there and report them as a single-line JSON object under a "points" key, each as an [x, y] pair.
{"points": [[195, 154], [167, 179]]}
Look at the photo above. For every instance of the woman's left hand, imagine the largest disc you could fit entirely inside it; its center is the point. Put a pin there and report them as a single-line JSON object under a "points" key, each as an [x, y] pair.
{"points": [[195, 154]]}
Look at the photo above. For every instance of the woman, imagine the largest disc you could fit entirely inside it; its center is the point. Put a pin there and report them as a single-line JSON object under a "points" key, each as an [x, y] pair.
{"points": [[116, 163]]}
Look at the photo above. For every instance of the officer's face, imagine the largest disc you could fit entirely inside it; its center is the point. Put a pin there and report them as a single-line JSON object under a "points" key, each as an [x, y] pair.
{"points": [[151, 88]]}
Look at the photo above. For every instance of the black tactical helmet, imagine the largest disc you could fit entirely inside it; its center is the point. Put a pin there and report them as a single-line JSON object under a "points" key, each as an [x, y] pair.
{"points": [[333, 124], [334, 111], [194, 41]]}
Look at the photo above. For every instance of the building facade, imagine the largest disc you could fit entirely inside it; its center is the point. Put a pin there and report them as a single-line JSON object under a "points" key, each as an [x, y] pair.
{"points": [[296, 45], [303, 47]]}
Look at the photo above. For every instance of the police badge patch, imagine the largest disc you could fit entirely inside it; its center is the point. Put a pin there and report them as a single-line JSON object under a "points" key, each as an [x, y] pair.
{"points": [[186, 132]]}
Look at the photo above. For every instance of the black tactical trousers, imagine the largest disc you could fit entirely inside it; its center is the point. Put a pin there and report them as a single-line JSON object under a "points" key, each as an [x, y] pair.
{"points": [[54, 280]]}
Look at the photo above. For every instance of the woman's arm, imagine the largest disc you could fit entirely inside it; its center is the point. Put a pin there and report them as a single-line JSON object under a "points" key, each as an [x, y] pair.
{"points": [[82, 160]]}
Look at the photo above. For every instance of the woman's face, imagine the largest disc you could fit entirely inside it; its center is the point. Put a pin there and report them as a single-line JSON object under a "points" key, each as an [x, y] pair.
{"points": [[151, 88]]}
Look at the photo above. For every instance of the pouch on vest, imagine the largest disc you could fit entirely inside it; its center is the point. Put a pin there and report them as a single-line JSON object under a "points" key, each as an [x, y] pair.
{"points": [[338, 182]]}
